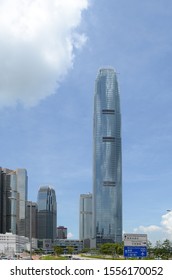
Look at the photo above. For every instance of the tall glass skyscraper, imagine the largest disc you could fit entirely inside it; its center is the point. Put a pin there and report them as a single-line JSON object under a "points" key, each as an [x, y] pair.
{"points": [[22, 191], [47, 213], [13, 196], [107, 162]]}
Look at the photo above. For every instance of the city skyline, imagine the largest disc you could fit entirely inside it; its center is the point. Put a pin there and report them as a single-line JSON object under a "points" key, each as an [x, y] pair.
{"points": [[46, 101]]}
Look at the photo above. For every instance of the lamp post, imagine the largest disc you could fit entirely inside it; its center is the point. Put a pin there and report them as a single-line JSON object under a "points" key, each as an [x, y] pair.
{"points": [[30, 202]]}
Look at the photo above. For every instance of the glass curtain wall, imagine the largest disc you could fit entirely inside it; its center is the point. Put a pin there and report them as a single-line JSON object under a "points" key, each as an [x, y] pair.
{"points": [[107, 162], [47, 213]]}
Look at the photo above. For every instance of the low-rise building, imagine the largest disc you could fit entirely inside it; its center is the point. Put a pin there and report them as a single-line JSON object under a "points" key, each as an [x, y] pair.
{"points": [[11, 244], [77, 245]]}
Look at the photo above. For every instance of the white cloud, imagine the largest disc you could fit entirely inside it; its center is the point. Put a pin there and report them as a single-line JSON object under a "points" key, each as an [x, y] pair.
{"points": [[166, 223], [154, 232], [38, 41], [70, 235], [147, 229]]}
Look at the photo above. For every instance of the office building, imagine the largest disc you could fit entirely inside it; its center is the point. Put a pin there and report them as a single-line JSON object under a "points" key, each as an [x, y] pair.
{"points": [[61, 232], [31, 219], [107, 162], [47, 213], [22, 190], [67, 244], [85, 219], [13, 197], [5, 210]]}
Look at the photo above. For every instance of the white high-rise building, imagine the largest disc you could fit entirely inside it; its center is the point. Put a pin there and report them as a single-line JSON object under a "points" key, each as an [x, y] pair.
{"points": [[85, 218]]}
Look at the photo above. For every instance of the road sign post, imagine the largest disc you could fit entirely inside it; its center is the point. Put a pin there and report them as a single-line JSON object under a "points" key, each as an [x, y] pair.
{"points": [[135, 245], [135, 252]]}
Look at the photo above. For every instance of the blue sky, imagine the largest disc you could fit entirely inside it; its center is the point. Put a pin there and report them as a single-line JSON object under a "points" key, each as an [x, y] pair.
{"points": [[50, 54]]}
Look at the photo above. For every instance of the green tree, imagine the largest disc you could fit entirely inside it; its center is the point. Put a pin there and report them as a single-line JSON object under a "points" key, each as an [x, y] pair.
{"points": [[108, 249], [70, 250], [85, 250], [166, 248], [158, 249], [119, 248], [58, 250], [150, 248]]}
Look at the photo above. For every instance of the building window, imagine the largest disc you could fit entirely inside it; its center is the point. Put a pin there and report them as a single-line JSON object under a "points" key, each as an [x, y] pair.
{"points": [[109, 184], [108, 139], [109, 112]]}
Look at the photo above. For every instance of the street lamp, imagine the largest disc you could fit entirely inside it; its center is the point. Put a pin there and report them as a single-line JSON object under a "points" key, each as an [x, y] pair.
{"points": [[30, 224], [30, 235]]}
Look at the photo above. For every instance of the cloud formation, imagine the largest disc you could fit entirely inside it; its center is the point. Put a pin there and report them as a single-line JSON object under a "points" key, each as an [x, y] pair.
{"points": [[70, 235], [166, 223], [38, 42], [147, 229], [164, 231]]}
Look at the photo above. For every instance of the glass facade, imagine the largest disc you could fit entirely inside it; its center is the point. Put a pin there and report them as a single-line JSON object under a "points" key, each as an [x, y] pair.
{"points": [[31, 219], [47, 213], [13, 196], [107, 162], [22, 188], [11, 205]]}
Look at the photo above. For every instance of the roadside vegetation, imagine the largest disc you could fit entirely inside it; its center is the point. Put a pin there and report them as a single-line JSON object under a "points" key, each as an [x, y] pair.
{"points": [[111, 251], [161, 250], [52, 257]]}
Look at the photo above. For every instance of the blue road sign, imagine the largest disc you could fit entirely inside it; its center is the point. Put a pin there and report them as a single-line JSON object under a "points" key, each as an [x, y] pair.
{"points": [[135, 251]]}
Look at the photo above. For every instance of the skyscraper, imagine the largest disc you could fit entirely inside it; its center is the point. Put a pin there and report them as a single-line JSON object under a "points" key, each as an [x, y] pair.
{"points": [[47, 213], [85, 218], [13, 196], [22, 191], [61, 232], [31, 219], [107, 160], [5, 205]]}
